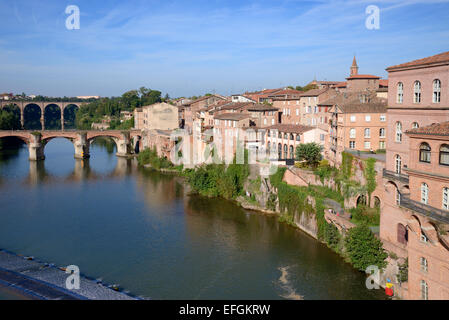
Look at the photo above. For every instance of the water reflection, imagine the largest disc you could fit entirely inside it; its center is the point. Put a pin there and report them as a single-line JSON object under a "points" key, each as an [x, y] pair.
{"points": [[143, 230], [82, 171]]}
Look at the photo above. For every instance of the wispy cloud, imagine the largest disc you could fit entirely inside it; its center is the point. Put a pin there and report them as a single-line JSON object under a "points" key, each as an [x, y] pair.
{"points": [[185, 48]]}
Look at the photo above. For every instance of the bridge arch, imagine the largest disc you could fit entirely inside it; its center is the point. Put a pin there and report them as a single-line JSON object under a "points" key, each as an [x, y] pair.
{"points": [[54, 110], [68, 116], [32, 115]]}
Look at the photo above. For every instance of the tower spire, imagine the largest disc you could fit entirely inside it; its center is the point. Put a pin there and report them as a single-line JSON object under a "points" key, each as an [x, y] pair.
{"points": [[354, 67]]}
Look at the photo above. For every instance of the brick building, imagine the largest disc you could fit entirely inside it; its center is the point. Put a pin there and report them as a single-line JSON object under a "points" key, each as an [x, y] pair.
{"points": [[414, 213]]}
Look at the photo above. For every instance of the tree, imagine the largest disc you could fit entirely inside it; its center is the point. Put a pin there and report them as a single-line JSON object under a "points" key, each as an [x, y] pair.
{"points": [[370, 176], [310, 152], [364, 249]]}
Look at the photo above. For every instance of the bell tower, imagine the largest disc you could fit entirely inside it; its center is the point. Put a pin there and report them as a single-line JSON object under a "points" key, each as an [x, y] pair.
{"points": [[354, 68]]}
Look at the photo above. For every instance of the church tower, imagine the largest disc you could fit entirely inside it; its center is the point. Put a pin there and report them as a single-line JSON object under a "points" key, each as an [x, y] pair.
{"points": [[354, 68]]}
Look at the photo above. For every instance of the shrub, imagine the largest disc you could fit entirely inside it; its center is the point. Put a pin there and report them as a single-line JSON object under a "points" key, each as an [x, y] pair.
{"points": [[365, 215], [364, 249], [332, 236], [150, 156]]}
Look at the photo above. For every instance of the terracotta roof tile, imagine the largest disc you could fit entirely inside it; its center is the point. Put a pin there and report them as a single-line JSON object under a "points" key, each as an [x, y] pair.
{"points": [[438, 129], [290, 128], [232, 116], [438, 58]]}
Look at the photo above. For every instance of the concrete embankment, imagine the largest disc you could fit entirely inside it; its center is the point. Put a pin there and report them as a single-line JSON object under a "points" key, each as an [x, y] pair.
{"points": [[47, 282]]}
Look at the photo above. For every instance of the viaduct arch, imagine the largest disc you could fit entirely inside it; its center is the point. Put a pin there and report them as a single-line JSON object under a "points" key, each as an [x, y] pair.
{"points": [[22, 105]]}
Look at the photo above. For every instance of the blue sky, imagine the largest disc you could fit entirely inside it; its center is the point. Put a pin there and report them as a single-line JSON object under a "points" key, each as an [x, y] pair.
{"points": [[189, 48]]}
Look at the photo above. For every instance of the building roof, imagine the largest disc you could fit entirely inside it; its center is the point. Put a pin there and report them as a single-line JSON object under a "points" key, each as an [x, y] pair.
{"points": [[383, 83], [286, 92], [341, 84], [438, 129], [436, 59], [362, 76], [353, 102], [232, 116], [260, 107], [314, 92], [291, 128]]}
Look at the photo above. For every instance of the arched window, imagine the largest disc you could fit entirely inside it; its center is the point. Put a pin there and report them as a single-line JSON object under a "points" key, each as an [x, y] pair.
{"points": [[279, 151], [424, 193], [400, 92], [415, 125], [446, 198], [444, 155], [367, 133], [292, 156], [352, 133], [424, 152], [402, 234], [398, 132], [424, 264], [268, 146], [291, 137], [398, 164], [280, 135], [382, 132], [424, 290], [285, 151], [285, 136], [436, 91], [417, 91], [298, 137]]}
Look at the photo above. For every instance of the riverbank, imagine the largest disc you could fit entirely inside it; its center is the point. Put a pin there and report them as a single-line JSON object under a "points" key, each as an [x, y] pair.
{"points": [[31, 279]]}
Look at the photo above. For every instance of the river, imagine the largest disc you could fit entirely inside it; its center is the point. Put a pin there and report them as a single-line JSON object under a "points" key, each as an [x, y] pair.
{"points": [[142, 230]]}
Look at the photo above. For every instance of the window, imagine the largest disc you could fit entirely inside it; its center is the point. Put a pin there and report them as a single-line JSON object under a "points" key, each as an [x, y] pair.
{"points": [[352, 118], [424, 238], [297, 112], [424, 153], [265, 121], [352, 133], [382, 145], [269, 145], [398, 132], [382, 132], [398, 197], [400, 92], [351, 144], [291, 137], [285, 136], [280, 135], [446, 198], [285, 151], [417, 91], [292, 156], [367, 133], [367, 145], [368, 118], [322, 137], [424, 265], [272, 121], [398, 164], [298, 137], [424, 193], [444, 155], [436, 91], [383, 118], [424, 290], [402, 234], [415, 125]]}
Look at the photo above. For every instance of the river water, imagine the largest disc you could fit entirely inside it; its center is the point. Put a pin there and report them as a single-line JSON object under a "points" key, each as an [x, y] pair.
{"points": [[143, 231]]}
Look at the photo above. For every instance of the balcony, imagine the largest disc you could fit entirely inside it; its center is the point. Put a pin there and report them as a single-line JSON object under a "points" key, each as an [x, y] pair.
{"points": [[425, 210], [395, 176]]}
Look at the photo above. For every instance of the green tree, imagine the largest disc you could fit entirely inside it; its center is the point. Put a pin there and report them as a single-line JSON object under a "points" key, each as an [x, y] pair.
{"points": [[370, 176], [310, 152], [364, 249]]}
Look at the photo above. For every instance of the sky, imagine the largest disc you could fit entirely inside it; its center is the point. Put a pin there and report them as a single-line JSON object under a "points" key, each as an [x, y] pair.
{"points": [[187, 48]]}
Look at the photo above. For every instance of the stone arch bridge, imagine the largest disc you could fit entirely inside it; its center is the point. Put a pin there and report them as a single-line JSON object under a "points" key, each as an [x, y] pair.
{"points": [[36, 140], [22, 104]]}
